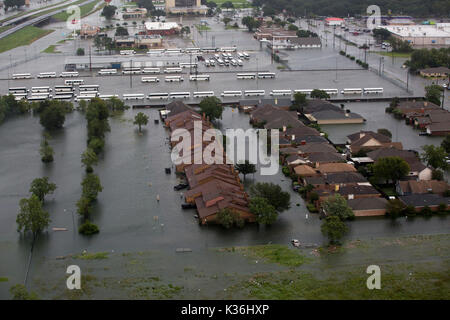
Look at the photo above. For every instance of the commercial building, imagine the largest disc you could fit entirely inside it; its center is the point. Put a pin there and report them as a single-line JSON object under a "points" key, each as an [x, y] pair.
{"points": [[426, 36], [162, 28], [185, 6], [295, 43], [134, 13], [88, 31], [334, 21], [274, 33], [139, 41]]}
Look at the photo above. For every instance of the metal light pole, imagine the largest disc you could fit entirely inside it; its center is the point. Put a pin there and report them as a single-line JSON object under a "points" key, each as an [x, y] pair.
{"points": [[73, 219]]}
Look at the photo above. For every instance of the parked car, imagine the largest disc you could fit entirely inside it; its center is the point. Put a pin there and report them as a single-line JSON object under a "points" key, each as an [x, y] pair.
{"points": [[180, 186], [295, 243]]}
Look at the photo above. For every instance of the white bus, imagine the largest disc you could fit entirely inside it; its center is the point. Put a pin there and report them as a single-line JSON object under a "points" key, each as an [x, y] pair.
{"points": [[38, 98], [331, 91], [199, 77], [131, 70], [203, 94], [192, 50], [281, 92], [20, 96], [352, 91], [228, 49], [63, 89], [174, 95], [16, 76], [173, 70], [246, 75], [88, 93], [149, 79], [151, 70], [216, 56], [373, 90], [248, 93], [304, 91], [40, 89], [264, 75], [85, 97], [158, 96], [174, 79], [108, 96], [18, 90], [127, 52], [73, 82], [63, 97], [89, 87], [231, 94], [104, 72], [188, 65], [209, 50], [133, 96], [174, 51], [69, 74], [47, 75], [155, 51]]}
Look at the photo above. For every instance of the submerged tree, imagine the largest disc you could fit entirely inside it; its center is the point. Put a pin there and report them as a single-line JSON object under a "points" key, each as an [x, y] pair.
{"points": [[40, 187], [245, 168], [334, 229], [32, 218], [140, 119]]}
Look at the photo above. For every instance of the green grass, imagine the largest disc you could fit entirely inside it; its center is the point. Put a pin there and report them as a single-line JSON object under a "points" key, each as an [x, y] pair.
{"points": [[202, 27], [274, 253], [23, 37], [51, 49], [92, 256], [3, 29], [84, 11], [3, 279], [395, 54], [390, 191], [236, 3]]}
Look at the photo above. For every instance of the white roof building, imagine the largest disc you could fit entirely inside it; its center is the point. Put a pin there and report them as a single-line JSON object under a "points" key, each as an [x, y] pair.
{"points": [[423, 35]]}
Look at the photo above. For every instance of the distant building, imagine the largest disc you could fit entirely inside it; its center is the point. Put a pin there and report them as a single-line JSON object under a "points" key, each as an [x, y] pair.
{"points": [[437, 35], [435, 72], [162, 28], [134, 13], [88, 31], [324, 112], [139, 41], [185, 6], [296, 43], [274, 33], [369, 140], [334, 21]]}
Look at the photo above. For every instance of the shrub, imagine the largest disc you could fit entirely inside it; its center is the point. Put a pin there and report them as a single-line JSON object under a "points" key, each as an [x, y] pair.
{"points": [[286, 171], [311, 208], [442, 208], [88, 228], [426, 211]]}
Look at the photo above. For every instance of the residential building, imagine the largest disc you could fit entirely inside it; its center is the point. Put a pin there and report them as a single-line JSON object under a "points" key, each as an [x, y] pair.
{"points": [[324, 112], [326, 168], [435, 72], [409, 187], [420, 201], [369, 140], [439, 129], [365, 207]]}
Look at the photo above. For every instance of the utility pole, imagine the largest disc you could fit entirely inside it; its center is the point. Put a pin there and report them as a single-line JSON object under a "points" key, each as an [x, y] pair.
{"points": [[90, 59], [131, 73], [407, 80], [334, 35]]}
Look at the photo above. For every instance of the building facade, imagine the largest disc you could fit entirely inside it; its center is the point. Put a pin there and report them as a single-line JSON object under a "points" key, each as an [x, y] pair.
{"points": [[185, 6]]}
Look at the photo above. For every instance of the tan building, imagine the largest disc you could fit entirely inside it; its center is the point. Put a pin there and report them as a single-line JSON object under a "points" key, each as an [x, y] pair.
{"points": [[185, 6], [88, 31]]}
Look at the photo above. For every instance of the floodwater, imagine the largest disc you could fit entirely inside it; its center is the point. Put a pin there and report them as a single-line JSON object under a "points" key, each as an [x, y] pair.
{"points": [[132, 167]]}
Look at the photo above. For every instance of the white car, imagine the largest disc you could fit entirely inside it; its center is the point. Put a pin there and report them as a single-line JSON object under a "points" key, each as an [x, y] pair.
{"points": [[295, 243]]}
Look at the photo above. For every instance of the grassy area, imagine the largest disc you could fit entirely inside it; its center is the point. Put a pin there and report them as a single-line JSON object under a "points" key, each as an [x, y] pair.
{"points": [[390, 191], [395, 54], [92, 256], [274, 253], [202, 27], [84, 11], [51, 49], [3, 279], [236, 3], [3, 29], [23, 37]]}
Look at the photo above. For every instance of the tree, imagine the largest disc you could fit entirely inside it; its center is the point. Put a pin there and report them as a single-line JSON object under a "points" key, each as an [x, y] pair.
{"points": [[211, 107], [13, 3], [265, 213], [32, 218], [108, 12], [226, 20], [121, 31], [147, 4], [141, 120], [391, 168], [394, 208], [381, 34], [333, 228], [88, 159], [88, 228], [446, 143], [116, 105], [91, 186], [227, 5], [437, 174], [40, 187], [46, 151], [53, 117], [276, 197], [251, 23], [435, 157], [84, 207], [299, 101], [211, 4], [319, 94], [245, 167], [225, 218], [337, 206], [292, 27], [385, 132], [433, 94], [80, 52], [19, 292]]}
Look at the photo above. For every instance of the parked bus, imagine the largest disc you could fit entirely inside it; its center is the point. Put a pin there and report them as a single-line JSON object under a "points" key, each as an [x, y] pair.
{"points": [[192, 50], [40, 89], [133, 96], [331, 91], [240, 55], [127, 52], [174, 79], [174, 95], [352, 91], [73, 82], [264, 75], [373, 90], [188, 65], [108, 96], [86, 93], [38, 97], [47, 75], [151, 70], [155, 51], [18, 90], [281, 92], [173, 70], [246, 55], [89, 87], [248, 93], [203, 94], [131, 70], [220, 62], [157, 96], [246, 75], [85, 97], [16, 76], [228, 49], [20, 96], [149, 79], [63, 89], [199, 77], [104, 72], [173, 52], [69, 74], [63, 97], [209, 50], [231, 94], [304, 91]]}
